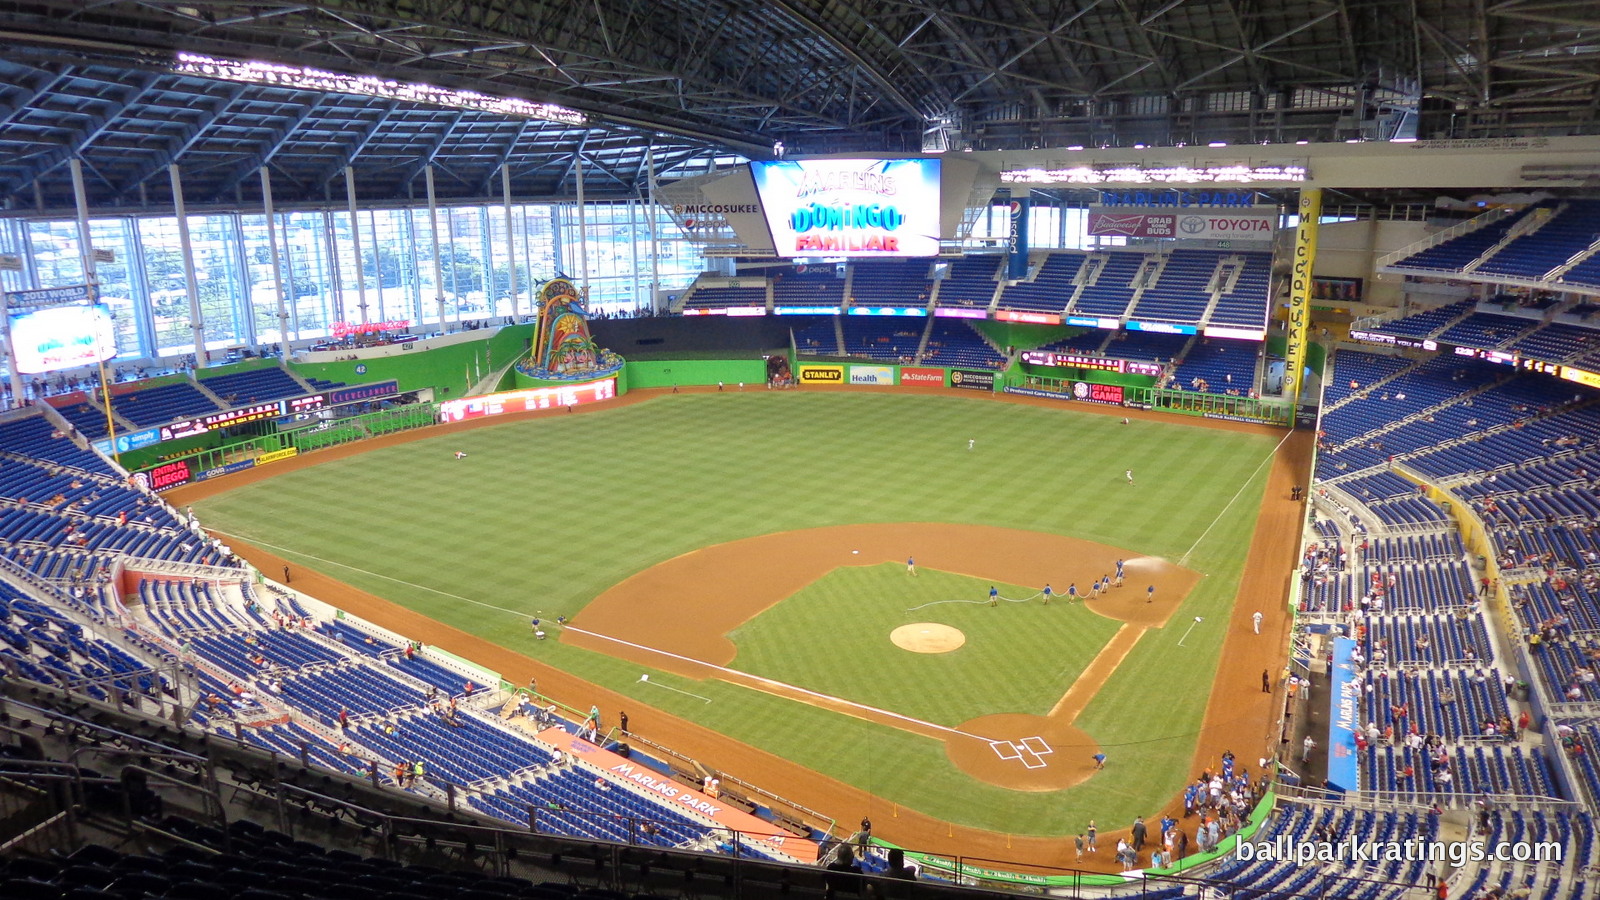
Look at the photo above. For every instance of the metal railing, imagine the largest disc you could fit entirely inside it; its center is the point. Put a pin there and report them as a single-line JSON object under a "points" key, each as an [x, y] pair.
{"points": [[1439, 237]]}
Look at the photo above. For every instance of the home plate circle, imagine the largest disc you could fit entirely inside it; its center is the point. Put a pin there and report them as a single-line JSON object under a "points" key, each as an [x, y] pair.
{"points": [[927, 637]]}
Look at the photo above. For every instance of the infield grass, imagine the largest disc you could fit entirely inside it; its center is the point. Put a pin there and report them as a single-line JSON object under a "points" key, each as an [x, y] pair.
{"points": [[1020, 659], [544, 515]]}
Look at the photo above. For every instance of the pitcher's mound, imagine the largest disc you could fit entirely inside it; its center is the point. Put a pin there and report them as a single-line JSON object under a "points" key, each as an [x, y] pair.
{"points": [[927, 637]]}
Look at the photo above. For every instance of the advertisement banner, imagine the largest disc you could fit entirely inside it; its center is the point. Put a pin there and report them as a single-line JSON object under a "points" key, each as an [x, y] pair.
{"points": [[44, 298], [727, 311], [224, 470], [1346, 687], [342, 330], [882, 375], [1243, 334], [1017, 243], [527, 400], [850, 207], [641, 777], [1161, 327], [805, 310], [276, 455], [1032, 318], [1094, 322], [359, 392], [1240, 225], [888, 311], [822, 375], [1088, 392], [130, 440], [1305, 258], [165, 476], [1180, 199], [972, 380], [921, 375], [961, 312]]}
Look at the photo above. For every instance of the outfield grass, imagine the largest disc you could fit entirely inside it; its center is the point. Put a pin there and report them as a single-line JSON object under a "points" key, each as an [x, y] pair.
{"points": [[544, 515]]}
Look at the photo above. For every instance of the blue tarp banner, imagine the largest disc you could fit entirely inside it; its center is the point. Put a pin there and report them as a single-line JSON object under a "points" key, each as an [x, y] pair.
{"points": [[1343, 718]]}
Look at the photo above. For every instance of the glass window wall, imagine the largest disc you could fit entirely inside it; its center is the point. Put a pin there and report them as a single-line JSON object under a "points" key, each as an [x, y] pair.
{"points": [[145, 287]]}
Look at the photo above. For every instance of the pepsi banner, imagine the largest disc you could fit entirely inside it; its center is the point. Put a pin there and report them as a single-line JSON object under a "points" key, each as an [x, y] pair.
{"points": [[1017, 246], [850, 207]]}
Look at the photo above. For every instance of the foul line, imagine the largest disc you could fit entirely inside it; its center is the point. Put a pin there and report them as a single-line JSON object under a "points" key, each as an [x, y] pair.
{"points": [[1099, 670], [420, 587], [1184, 560], [736, 675]]}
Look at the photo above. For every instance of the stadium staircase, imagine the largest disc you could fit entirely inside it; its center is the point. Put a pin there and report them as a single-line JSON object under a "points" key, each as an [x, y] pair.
{"points": [[927, 333], [683, 298], [1423, 413], [1223, 280], [991, 343], [1528, 225], [1477, 223], [1087, 275], [838, 329], [490, 383], [1378, 385], [299, 379], [209, 394], [1576, 260], [1146, 277]]}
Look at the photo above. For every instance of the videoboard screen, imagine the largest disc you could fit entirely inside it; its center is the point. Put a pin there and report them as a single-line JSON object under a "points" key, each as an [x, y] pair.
{"points": [[189, 427], [1095, 363], [62, 337], [850, 207], [527, 400]]}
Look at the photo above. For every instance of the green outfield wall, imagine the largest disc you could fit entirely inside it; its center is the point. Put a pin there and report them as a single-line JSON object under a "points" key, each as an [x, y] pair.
{"points": [[659, 373], [445, 369]]}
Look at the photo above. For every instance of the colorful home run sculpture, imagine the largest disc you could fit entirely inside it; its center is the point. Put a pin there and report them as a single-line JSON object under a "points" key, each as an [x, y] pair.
{"points": [[563, 348]]}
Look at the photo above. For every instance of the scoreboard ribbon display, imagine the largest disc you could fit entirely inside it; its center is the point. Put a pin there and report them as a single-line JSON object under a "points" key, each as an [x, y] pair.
{"points": [[1094, 363]]}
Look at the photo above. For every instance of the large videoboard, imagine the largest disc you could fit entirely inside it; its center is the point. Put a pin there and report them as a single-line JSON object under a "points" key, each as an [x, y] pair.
{"points": [[62, 337], [861, 208]]}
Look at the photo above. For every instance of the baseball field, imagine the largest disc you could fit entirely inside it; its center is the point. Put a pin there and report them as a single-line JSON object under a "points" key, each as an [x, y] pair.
{"points": [[735, 565]]}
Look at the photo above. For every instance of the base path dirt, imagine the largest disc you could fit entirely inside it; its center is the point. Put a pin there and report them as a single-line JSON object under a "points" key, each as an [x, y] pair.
{"points": [[687, 605], [1239, 716]]}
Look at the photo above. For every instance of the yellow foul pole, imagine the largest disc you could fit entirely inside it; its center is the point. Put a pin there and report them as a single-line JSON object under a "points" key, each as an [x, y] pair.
{"points": [[1305, 258]]}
